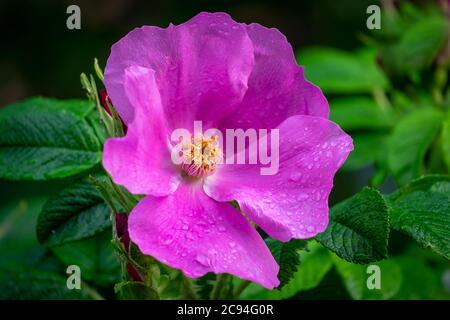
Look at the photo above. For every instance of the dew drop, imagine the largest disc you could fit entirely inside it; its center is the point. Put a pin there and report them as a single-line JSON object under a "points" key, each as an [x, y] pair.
{"points": [[203, 260], [302, 196], [295, 176], [166, 240]]}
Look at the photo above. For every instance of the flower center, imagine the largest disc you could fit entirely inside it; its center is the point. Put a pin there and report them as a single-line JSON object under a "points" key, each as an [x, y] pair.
{"points": [[200, 156]]}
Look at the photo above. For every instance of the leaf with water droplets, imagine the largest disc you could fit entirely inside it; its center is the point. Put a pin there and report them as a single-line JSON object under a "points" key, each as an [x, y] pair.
{"points": [[358, 229]]}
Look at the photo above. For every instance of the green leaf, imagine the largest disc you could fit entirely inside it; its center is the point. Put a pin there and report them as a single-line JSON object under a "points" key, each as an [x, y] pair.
{"points": [[75, 107], [355, 279], [77, 212], [445, 140], [315, 263], [37, 285], [95, 256], [424, 214], [330, 287], [44, 139], [131, 290], [358, 229], [410, 141], [366, 149], [419, 45], [359, 113], [336, 71], [286, 254], [424, 183], [419, 280]]}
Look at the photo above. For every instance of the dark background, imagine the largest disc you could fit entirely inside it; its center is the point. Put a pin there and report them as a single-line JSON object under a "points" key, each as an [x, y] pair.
{"points": [[40, 56]]}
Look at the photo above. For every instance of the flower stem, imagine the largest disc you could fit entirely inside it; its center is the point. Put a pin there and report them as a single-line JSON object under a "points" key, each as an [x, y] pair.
{"points": [[381, 99], [218, 287], [189, 290], [92, 292]]}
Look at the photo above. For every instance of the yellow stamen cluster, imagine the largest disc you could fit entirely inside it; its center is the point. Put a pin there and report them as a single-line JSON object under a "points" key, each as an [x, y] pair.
{"points": [[200, 155]]}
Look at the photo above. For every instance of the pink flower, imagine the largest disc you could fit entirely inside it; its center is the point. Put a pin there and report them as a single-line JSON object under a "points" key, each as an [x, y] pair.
{"points": [[227, 75]]}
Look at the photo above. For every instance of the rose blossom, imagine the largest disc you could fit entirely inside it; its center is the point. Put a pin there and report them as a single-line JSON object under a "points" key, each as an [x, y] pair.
{"points": [[228, 75]]}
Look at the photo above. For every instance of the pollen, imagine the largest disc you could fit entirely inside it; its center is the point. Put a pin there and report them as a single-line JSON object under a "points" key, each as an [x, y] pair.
{"points": [[200, 156]]}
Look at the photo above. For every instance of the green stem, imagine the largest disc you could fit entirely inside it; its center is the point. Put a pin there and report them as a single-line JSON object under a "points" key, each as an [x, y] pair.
{"points": [[104, 116], [381, 99], [440, 81], [7, 224], [125, 202], [189, 290], [91, 291], [218, 287], [237, 292]]}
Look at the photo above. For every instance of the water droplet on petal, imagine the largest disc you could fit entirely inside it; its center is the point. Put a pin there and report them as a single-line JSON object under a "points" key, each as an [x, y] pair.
{"points": [[203, 260], [302, 196], [166, 240], [295, 176]]}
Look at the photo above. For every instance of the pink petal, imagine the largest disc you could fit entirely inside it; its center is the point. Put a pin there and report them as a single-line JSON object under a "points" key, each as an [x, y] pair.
{"points": [[294, 202], [202, 68], [192, 232], [141, 160], [277, 88]]}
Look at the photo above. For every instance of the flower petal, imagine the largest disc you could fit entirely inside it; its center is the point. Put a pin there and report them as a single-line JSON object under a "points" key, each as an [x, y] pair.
{"points": [[277, 88], [202, 68], [141, 160], [192, 232], [293, 203]]}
